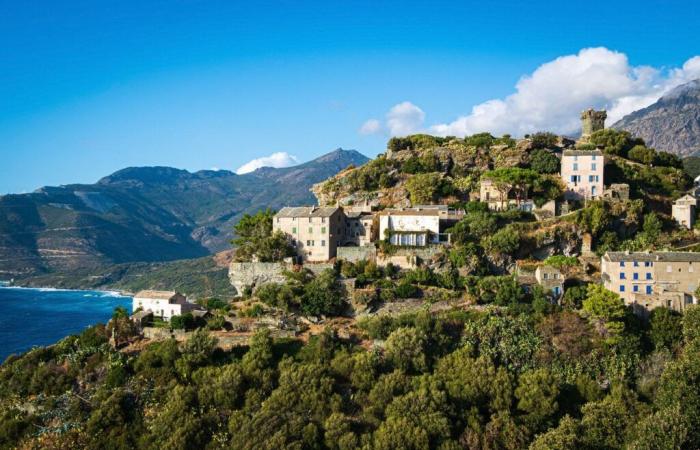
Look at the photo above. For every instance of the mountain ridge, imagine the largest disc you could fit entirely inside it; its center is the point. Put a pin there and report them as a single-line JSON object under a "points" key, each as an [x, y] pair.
{"points": [[146, 214], [671, 124]]}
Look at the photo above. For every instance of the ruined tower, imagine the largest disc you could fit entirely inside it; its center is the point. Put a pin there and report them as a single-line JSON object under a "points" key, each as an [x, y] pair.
{"points": [[592, 121]]}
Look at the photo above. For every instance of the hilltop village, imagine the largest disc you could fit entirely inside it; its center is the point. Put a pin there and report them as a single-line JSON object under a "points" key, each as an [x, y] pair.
{"points": [[453, 293]]}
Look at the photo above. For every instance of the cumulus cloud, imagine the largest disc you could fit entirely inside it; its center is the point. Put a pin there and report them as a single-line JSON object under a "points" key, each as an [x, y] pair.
{"points": [[372, 126], [402, 119], [278, 159], [552, 97]]}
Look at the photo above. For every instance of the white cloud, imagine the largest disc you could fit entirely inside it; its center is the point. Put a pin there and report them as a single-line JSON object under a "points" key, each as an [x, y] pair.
{"points": [[552, 97], [404, 118], [278, 159], [372, 126]]}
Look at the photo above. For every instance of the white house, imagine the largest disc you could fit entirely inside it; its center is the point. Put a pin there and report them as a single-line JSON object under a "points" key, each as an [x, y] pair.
{"points": [[414, 227], [163, 304]]}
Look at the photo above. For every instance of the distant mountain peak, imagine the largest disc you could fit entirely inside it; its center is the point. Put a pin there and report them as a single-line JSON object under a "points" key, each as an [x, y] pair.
{"points": [[672, 123]]}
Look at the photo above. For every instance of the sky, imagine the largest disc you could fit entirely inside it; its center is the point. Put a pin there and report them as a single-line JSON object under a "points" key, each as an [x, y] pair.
{"points": [[89, 87]]}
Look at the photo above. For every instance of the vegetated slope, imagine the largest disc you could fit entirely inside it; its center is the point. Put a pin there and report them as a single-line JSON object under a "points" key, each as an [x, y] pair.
{"points": [[196, 278], [146, 214], [672, 123]]}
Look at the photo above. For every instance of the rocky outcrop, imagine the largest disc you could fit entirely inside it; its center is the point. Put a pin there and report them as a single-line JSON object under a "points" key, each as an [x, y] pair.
{"points": [[671, 124], [254, 274]]}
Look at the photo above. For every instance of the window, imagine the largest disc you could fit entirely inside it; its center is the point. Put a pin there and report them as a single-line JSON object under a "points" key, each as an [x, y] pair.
{"points": [[648, 275], [648, 289], [311, 229], [323, 243], [622, 276], [635, 276], [544, 276], [590, 178], [635, 264], [622, 264], [309, 219], [635, 288], [575, 166], [323, 220], [622, 288], [323, 230], [593, 166], [294, 230], [309, 243], [593, 157], [647, 263]]}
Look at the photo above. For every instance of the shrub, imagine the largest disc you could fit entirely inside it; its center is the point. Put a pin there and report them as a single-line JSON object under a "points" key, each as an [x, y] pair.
{"points": [[544, 161]]}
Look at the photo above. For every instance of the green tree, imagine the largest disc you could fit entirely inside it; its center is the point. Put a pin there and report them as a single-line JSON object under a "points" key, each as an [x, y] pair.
{"points": [[424, 187], [543, 139], [323, 296], [666, 328], [405, 349], [563, 437], [254, 237], [605, 306], [544, 161], [691, 321], [537, 393], [642, 154]]}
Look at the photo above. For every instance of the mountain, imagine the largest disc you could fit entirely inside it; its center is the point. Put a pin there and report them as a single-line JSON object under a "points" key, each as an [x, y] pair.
{"points": [[671, 124], [146, 214]]}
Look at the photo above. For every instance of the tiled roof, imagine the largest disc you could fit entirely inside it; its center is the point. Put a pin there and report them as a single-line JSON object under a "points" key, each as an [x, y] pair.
{"points": [[306, 211], [582, 153], [653, 256], [157, 295], [410, 212]]}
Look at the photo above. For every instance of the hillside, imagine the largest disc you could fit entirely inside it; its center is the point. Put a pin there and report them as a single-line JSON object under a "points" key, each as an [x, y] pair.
{"points": [[671, 124], [146, 214]]}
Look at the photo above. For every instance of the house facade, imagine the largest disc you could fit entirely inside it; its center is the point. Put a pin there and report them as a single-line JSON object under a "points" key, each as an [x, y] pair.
{"points": [[551, 279], [162, 304], [582, 171], [315, 231], [360, 229], [683, 211], [414, 227], [648, 280]]}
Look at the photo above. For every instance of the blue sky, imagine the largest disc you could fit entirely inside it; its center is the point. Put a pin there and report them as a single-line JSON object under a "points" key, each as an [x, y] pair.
{"points": [[87, 87]]}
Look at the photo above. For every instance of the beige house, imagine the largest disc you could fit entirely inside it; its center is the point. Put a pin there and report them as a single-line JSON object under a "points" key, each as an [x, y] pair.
{"points": [[496, 198], [684, 211], [316, 231], [163, 304], [651, 279], [551, 279], [582, 171], [360, 229], [413, 227]]}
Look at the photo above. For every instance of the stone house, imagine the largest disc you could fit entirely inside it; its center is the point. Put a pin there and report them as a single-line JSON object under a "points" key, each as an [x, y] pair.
{"points": [[582, 172], [551, 279], [647, 280], [360, 229], [315, 231], [501, 199], [683, 211], [163, 304]]}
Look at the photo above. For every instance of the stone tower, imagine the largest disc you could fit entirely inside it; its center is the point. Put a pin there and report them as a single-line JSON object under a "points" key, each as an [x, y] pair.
{"points": [[592, 121]]}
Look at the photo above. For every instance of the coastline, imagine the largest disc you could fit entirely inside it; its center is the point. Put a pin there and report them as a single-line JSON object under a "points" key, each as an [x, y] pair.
{"points": [[108, 292]]}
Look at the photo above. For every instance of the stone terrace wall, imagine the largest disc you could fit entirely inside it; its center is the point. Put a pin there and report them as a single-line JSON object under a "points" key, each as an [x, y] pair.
{"points": [[355, 254], [253, 274]]}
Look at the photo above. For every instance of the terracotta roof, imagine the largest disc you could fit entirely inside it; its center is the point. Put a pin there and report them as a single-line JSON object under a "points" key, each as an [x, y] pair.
{"points": [[158, 295], [307, 211], [653, 256]]}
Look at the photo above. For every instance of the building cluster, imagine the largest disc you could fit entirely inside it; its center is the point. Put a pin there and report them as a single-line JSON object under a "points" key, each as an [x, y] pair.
{"points": [[318, 232]]}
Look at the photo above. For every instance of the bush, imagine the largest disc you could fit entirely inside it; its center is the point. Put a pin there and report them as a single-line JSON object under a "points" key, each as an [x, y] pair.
{"points": [[543, 139], [642, 154], [544, 161]]}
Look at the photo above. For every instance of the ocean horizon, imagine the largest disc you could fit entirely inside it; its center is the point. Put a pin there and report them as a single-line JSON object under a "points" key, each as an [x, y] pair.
{"points": [[42, 316]]}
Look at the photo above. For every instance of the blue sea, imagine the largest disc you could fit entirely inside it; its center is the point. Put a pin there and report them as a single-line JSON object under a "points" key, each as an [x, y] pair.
{"points": [[30, 317]]}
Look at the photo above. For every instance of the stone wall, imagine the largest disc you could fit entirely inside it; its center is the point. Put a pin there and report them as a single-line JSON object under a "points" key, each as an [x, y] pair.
{"points": [[255, 274], [355, 254]]}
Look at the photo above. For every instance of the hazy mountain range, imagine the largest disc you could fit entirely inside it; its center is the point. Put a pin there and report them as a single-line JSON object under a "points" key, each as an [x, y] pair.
{"points": [[146, 214], [671, 124]]}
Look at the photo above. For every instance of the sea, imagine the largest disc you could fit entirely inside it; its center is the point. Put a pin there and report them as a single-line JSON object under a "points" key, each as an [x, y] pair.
{"points": [[31, 317]]}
